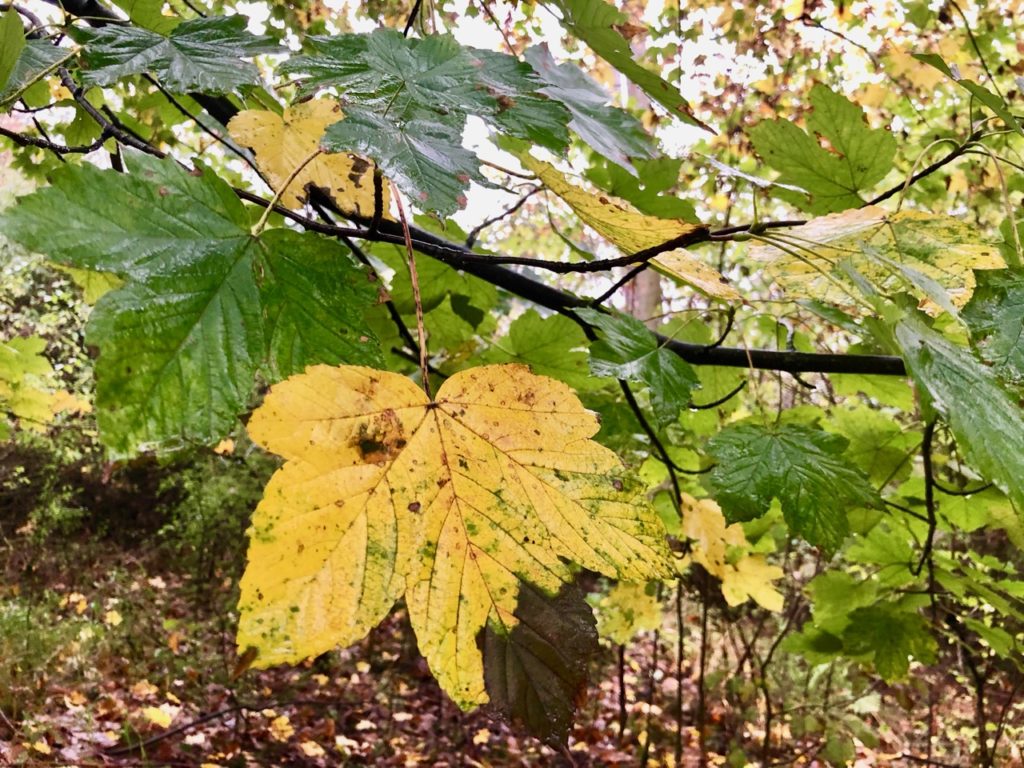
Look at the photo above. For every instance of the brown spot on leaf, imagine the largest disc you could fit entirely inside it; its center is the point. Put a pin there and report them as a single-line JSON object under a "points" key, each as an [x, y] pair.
{"points": [[415, 506], [380, 438]]}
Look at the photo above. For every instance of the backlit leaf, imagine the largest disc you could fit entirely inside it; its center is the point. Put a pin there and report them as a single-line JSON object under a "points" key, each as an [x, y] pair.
{"points": [[37, 58], [881, 247], [452, 502], [282, 143], [203, 54], [12, 41], [596, 23], [628, 609], [552, 346], [633, 232], [858, 158], [205, 305], [803, 468], [724, 552]]}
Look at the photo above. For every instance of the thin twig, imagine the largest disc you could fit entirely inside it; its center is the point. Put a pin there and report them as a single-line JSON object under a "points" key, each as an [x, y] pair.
{"points": [[421, 332]]}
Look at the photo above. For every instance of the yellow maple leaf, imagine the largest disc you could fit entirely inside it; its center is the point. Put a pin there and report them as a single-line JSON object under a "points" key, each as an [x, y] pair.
{"points": [[282, 143], [752, 577], [451, 501], [906, 250], [724, 552], [631, 231], [627, 609]]}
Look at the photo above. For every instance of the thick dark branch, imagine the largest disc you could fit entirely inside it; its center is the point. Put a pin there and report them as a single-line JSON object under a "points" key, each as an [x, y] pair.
{"points": [[89, 10]]}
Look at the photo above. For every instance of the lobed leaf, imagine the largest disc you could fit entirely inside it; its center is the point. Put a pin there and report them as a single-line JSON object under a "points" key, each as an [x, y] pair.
{"points": [[203, 54], [803, 468], [205, 305], [454, 502]]}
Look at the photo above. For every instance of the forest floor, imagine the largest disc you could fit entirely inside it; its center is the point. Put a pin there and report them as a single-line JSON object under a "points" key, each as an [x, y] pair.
{"points": [[117, 650]]}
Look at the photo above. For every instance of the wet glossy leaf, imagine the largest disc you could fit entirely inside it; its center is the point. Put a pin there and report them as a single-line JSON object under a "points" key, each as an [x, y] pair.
{"points": [[452, 502], [203, 54], [608, 131], [804, 468], [37, 58], [995, 316], [991, 436], [204, 306], [628, 350]]}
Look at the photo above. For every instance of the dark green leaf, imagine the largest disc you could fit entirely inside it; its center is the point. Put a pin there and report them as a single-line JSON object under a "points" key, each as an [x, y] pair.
{"points": [[425, 158], [12, 41], [891, 636], [859, 158], [205, 307], [198, 55], [595, 22], [803, 468], [628, 350], [37, 58], [611, 132], [535, 672], [985, 419], [995, 315]]}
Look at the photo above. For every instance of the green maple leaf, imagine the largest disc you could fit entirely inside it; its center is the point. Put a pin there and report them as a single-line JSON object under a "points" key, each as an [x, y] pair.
{"points": [[892, 636], [205, 306], [859, 158], [552, 346], [408, 100], [803, 468], [628, 350], [198, 54]]}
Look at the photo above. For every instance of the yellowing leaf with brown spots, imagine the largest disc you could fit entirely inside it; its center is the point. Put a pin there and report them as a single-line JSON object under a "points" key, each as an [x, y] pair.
{"points": [[631, 231], [282, 143], [452, 502], [928, 254]]}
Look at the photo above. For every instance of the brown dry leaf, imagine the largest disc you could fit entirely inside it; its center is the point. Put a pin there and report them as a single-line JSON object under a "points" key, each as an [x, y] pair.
{"points": [[282, 143]]}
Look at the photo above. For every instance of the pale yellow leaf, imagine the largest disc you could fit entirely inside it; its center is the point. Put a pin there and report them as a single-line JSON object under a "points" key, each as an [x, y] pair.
{"points": [[112, 618], [66, 402], [884, 248], [631, 231], [225, 447], [627, 609], [161, 716], [452, 502], [311, 749], [282, 143], [281, 728], [752, 577]]}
